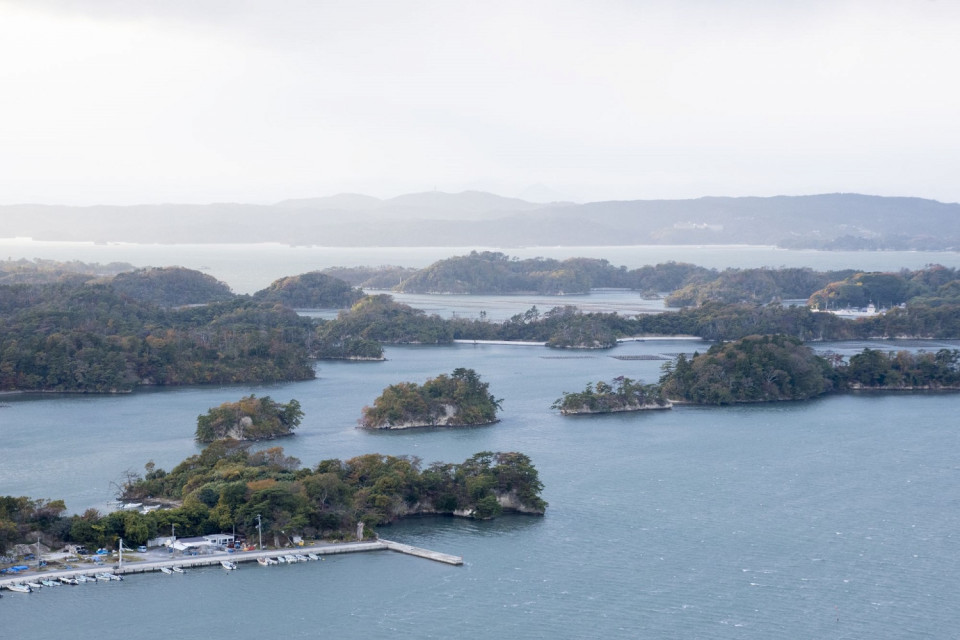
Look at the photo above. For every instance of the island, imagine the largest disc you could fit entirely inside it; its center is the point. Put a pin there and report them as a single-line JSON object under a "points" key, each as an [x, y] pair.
{"points": [[250, 418], [227, 486], [773, 368], [312, 290], [623, 394], [457, 400]]}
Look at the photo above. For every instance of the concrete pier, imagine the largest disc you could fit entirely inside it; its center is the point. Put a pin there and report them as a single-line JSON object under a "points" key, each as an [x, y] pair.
{"points": [[422, 553], [239, 556]]}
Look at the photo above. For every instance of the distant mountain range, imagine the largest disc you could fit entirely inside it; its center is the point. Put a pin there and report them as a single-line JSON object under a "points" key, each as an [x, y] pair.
{"points": [[473, 218]]}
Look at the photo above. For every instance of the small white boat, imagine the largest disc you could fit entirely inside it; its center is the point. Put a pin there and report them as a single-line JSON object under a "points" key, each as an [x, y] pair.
{"points": [[83, 578], [313, 556], [19, 588], [167, 570], [115, 576], [103, 577], [66, 580], [290, 559], [281, 560], [50, 583], [229, 566], [34, 585], [302, 558], [178, 569]]}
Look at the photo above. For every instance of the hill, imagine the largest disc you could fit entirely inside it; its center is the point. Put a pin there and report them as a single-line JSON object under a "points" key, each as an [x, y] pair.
{"points": [[830, 221]]}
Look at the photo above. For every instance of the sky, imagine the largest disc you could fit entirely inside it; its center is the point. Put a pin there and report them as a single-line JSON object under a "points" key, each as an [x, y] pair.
{"points": [[196, 101]]}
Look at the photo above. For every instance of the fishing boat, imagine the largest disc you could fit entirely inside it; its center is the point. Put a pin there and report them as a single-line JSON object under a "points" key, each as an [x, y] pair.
{"points": [[167, 570], [50, 583], [19, 587], [83, 578], [313, 556], [67, 580], [229, 566], [115, 576], [36, 586], [281, 560], [290, 559], [102, 577], [178, 569], [302, 558]]}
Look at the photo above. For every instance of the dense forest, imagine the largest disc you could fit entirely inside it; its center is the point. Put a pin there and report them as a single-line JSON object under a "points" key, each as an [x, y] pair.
{"points": [[778, 367], [459, 399], [227, 485], [313, 290], [491, 272], [77, 336], [250, 418], [170, 287], [623, 394], [100, 334], [753, 369]]}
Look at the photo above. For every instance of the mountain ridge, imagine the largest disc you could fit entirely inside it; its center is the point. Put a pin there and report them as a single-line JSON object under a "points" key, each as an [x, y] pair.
{"points": [[476, 218]]}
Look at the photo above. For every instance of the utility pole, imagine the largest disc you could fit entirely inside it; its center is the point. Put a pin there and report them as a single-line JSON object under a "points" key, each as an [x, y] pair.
{"points": [[260, 531], [120, 563], [38, 553]]}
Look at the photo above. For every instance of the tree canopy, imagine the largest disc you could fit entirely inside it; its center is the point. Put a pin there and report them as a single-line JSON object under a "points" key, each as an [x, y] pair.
{"points": [[250, 418], [459, 399]]}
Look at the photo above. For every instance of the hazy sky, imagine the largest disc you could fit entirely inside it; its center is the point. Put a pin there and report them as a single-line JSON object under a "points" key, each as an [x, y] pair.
{"points": [[144, 101]]}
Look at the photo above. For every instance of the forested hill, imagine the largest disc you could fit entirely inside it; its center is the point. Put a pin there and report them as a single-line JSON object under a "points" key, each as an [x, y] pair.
{"points": [[830, 221]]}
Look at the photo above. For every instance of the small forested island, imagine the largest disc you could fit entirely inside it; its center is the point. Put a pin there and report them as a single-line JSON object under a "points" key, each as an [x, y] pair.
{"points": [[250, 418], [226, 486], [623, 394], [457, 400], [314, 290]]}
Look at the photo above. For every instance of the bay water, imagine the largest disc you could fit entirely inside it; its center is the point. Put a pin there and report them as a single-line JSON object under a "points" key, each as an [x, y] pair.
{"points": [[835, 518]]}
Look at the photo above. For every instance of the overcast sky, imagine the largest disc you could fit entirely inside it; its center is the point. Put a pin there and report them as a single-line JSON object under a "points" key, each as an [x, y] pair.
{"points": [[146, 101]]}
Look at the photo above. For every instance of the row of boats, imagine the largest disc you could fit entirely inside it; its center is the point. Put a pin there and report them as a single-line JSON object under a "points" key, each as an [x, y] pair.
{"points": [[27, 587], [289, 558]]}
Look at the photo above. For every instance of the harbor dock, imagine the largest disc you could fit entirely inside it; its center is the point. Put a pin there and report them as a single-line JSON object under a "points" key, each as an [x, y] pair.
{"points": [[186, 562]]}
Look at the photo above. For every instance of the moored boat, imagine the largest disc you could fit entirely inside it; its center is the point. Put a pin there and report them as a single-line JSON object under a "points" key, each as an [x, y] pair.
{"points": [[302, 558], [290, 559], [178, 569], [167, 570], [19, 587], [226, 564], [34, 585], [69, 580], [263, 562], [313, 556], [83, 578], [50, 583]]}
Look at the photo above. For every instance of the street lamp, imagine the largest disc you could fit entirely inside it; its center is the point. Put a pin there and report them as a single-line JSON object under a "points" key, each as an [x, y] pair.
{"points": [[260, 531]]}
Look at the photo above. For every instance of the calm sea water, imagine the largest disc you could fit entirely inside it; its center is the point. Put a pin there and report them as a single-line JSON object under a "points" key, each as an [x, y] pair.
{"points": [[835, 518]]}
